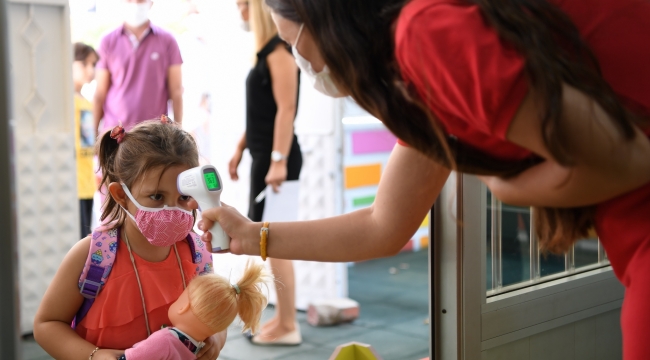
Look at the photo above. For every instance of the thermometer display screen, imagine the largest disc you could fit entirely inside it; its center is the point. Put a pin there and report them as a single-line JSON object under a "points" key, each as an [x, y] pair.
{"points": [[211, 180]]}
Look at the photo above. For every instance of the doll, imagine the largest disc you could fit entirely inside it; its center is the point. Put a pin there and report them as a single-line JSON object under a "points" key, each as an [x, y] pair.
{"points": [[206, 307]]}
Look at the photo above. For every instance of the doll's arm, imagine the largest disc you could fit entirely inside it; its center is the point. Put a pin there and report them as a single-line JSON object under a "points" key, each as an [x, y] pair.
{"points": [[155, 347]]}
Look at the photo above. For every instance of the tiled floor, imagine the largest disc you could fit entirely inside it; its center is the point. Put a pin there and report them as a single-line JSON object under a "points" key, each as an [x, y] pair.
{"points": [[394, 312]]}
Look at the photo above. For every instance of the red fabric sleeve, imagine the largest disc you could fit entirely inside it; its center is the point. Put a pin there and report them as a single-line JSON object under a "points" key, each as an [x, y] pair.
{"points": [[472, 81]]}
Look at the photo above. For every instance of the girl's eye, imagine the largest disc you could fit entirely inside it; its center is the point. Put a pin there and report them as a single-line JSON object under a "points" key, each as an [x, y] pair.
{"points": [[185, 198], [156, 197]]}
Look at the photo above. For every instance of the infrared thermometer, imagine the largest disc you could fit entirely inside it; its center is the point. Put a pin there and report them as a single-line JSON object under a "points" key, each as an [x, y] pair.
{"points": [[203, 184]]}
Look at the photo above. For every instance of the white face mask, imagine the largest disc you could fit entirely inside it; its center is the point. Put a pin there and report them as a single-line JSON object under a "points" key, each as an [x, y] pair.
{"points": [[136, 14], [322, 81], [245, 25]]}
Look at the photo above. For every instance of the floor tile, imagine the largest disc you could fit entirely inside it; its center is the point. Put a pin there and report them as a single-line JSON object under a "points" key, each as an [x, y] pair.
{"points": [[32, 351], [242, 349], [391, 345], [415, 327]]}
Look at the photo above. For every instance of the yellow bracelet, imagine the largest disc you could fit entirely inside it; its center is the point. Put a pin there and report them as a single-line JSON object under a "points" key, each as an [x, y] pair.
{"points": [[93, 353], [264, 235]]}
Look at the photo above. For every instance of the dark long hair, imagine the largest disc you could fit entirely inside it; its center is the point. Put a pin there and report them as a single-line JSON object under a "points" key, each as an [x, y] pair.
{"points": [[356, 40]]}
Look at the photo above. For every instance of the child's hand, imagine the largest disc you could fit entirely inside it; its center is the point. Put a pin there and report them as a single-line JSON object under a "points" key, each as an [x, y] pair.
{"points": [[213, 346], [108, 354]]}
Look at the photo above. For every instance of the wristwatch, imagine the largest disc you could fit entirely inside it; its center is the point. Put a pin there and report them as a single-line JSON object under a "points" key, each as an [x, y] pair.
{"points": [[277, 156]]}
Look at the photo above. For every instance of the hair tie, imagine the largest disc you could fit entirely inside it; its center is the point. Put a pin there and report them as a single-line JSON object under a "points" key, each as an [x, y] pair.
{"points": [[236, 287], [165, 119], [118, 133]]}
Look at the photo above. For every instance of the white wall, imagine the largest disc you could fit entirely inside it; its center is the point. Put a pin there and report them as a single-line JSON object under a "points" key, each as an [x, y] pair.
{"points": [[46, 186]]}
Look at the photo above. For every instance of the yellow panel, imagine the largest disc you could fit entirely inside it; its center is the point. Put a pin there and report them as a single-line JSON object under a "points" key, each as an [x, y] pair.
{"points": [[355, 351], [425, 222], [364, 353], [424, 242], [346, 353], [364, 175]]}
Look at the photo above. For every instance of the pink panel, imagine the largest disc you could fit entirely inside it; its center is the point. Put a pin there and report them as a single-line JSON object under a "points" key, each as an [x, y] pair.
{"points": [[369, 142]]}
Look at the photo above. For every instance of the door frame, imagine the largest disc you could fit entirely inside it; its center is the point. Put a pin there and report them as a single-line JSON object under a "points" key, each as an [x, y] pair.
{"points": [[467, 321]]}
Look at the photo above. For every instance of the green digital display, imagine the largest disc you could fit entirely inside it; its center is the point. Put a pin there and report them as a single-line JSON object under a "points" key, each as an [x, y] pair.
{"points": [[211, 180]]}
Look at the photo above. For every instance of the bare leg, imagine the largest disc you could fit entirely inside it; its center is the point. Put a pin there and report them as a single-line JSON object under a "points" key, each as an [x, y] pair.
{"points": [[284, 320]]}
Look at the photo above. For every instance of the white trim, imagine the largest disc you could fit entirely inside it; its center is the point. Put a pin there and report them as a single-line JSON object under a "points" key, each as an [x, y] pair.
{"points": [[548, 288], [526, 314], [549, 325]]}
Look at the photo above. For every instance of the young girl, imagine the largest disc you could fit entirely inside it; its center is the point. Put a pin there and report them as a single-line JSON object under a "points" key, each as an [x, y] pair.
{"points": [[149, 222], [208, 305]]}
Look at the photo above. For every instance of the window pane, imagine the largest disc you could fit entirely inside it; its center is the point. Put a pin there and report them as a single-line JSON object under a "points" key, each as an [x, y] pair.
{"points": [[550, 264], [488, 245], [515, 244], [586, 252]]}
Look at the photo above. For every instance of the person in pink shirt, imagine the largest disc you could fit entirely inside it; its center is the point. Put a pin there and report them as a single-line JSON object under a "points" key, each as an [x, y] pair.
{"points": [[138, 72]]}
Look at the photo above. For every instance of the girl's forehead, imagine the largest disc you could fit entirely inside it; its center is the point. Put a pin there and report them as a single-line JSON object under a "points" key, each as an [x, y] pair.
{"points": [[161, 176]]}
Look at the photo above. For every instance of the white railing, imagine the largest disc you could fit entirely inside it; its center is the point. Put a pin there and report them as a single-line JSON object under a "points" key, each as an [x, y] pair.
{"points": [[513, 257]]}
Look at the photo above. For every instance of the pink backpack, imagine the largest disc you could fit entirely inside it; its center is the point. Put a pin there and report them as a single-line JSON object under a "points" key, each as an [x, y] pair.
{"points": [[101, 256]]}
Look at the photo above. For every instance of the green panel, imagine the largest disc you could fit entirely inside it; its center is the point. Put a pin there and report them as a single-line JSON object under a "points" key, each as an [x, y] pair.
{"points": [[363, 201]]}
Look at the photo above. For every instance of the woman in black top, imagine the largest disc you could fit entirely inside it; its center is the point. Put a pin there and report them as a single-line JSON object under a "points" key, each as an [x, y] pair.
{"points": [[271, 104]]}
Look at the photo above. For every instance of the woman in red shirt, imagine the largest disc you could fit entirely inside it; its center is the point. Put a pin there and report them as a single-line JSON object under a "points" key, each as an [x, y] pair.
{"points": [[547, 101]]}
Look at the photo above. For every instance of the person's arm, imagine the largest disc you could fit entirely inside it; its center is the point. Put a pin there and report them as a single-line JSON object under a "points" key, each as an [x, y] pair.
{"points": [[407, 190], [175, 89], [284, 83], [606, 165], [103, 78], [236, 158], [60, 304]]}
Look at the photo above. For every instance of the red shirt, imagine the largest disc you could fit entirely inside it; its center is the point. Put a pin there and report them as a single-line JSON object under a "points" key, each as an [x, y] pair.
{"points": [[116, 319], [474, 83]]}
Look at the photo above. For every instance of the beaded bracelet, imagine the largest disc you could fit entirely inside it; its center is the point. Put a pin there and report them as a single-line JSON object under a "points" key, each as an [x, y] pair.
{"points": [[264, 234], [93, 353]]}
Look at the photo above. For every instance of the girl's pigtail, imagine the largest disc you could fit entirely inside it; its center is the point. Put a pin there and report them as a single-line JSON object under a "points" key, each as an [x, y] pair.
{"points": [[251, 299], [106, 148]]}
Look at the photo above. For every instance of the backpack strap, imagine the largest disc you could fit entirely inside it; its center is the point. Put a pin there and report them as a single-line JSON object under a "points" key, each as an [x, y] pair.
{"points": [[200, 254], [101, 256]]}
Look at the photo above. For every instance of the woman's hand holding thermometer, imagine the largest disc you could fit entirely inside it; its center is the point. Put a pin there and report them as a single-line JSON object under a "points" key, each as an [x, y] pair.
{"points": [[203, 184]]}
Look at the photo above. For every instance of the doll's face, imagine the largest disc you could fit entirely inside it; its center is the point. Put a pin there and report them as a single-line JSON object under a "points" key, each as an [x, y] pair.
{"points": [[180, 309], [183, 318]]}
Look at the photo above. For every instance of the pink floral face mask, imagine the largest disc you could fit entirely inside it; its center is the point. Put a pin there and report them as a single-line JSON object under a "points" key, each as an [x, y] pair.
{"points": [[163, 226]]}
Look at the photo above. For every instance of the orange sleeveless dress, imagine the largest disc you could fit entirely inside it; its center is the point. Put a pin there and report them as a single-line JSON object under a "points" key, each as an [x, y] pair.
{"points": [[116, 319]]}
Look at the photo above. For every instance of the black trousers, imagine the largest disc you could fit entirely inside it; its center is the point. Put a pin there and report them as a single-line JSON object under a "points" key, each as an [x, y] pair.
{"points": [[86, 216], [259, 169]]}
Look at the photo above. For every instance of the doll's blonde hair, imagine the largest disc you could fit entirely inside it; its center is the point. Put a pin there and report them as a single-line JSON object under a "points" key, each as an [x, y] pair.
{"points": [[216, 302]]}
